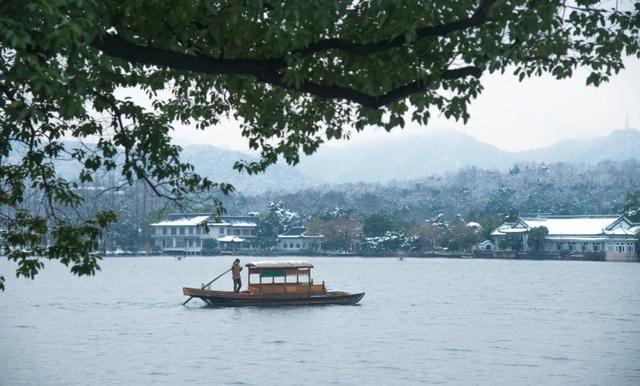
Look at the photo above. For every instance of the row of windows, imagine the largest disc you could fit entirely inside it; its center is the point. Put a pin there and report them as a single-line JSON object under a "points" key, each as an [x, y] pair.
{"points": [[235, 246], [596, 247], [185, 243], [182, 230], [620, 247], [294, 245], [238, 232], [199, 230], [180, 243], [584, 247]]}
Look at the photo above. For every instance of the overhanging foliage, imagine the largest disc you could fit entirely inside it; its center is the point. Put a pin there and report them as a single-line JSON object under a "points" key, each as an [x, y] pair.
{"points": [[293, 73]]}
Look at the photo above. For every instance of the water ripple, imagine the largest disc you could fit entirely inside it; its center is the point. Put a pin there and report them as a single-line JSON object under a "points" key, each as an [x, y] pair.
{"points": [[433, 321]]}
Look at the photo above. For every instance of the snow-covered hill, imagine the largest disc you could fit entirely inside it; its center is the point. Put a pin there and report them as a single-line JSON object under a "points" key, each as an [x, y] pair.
{"points": [[446, 151], [392, 159]]}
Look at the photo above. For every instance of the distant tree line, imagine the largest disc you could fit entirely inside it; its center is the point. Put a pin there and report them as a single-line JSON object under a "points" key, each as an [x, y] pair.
{"points": [[440, 212], [557, 188]]}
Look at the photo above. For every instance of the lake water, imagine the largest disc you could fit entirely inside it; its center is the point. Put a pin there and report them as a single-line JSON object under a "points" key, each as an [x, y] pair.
{"points": [[422, 321]]}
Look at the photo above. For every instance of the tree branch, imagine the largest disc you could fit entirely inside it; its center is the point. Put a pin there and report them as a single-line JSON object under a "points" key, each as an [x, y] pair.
{"points": [[269, 70], [265, 70], [374, 102], [116, 46]]}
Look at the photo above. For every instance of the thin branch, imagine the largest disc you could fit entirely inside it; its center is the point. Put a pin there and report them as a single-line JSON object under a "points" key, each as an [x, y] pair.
{"points": [[155, 189], [479, 17]]}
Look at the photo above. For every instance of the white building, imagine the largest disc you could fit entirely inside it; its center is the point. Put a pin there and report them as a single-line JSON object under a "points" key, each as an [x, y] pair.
{"points": [[299, 239], [234, 232], [613, 236], [189, 233]]}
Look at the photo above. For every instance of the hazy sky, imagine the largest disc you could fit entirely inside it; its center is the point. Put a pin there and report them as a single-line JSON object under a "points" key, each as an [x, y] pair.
{"points": [[509, 114]]}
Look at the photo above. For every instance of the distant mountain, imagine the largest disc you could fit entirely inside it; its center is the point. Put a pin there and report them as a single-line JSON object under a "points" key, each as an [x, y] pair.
{"points": [[209, 161], [402, 158], [446, 151], [391, 159], [619, 145], [217, 164]]}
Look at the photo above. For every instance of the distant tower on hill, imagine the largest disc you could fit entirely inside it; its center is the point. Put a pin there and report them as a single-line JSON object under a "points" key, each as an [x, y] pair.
{"points": [[626, 121]]}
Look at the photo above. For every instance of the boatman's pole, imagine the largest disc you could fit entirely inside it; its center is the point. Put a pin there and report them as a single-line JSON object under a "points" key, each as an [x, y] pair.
{"points": [[206, 285]]}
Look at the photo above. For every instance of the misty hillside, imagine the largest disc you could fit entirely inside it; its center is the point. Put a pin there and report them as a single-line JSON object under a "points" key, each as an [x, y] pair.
{"points": [[392, 159], [553, 188], [445, 151], [209, 161], [402, 158], [217, 164], [619, 145]]}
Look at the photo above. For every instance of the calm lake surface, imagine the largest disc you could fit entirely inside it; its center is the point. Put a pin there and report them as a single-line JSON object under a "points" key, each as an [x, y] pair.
{"points": [[422, 321]]}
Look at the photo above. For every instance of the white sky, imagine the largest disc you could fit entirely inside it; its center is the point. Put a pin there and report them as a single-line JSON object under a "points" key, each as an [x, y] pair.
{"points": [[509, 114]]}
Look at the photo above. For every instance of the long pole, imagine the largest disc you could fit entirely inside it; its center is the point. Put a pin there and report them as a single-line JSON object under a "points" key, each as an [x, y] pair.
{"points": [[206, 285]]}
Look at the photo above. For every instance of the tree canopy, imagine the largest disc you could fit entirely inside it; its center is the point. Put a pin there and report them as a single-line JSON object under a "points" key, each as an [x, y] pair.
{"points": [[377, 225], [631, 206], [294, 74], [276, 220], [536, 238]]}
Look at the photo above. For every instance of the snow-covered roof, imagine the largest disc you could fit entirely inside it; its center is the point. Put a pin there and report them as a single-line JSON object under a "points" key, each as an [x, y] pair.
{"points": [[280, 264], [577, 226], [513, 230], [572, 225], [243, 224], [185, 220], [296, 231], [190, 219], [231, 239], [234, 221], [634, 230], [300, 236], [299, 233], [232, 224], [508, 228]]}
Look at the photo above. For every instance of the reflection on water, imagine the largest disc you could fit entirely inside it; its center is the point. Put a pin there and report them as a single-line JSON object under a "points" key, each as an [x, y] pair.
{"points": [[432, 321]]}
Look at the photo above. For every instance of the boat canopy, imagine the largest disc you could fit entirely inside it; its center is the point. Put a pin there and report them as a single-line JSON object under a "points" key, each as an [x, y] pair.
{"points": [[275, 264]]}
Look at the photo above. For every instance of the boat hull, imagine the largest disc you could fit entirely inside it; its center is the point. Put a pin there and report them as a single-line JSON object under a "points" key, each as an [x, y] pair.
{"points": [[241, 299]]}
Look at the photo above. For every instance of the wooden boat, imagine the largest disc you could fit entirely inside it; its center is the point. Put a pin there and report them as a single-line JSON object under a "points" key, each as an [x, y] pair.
{"points": [[280, 283]]}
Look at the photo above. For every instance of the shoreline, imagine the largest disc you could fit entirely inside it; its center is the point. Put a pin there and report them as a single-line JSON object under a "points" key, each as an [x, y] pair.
{"points": [[389, 255]]}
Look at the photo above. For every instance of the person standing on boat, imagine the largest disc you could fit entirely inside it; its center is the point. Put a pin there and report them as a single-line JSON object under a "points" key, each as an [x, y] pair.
{"points": [[235, 274]]}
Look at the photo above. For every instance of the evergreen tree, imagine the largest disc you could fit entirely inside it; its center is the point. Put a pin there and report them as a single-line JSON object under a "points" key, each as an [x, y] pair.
{"points": [[536, 238], [377, 225], [631, 207], [277, 220]]}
